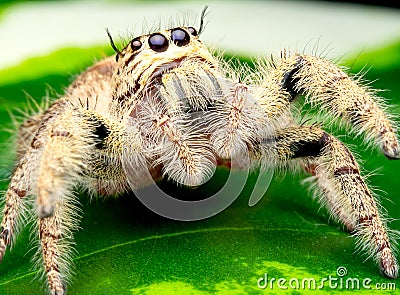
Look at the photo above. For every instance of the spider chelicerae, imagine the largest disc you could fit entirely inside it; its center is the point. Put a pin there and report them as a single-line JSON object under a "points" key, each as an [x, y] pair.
{"points": [[165, 104]]}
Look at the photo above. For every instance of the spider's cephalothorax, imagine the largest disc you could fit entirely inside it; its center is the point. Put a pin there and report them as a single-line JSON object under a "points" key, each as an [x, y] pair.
{"points": [[165, 104]]}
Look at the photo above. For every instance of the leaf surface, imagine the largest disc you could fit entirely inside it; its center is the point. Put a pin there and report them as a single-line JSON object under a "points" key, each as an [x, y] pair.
{"points": [[123, 248]]}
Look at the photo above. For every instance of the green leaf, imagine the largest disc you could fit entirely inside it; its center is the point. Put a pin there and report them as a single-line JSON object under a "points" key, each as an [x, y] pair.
{"points": [[123, 248]]}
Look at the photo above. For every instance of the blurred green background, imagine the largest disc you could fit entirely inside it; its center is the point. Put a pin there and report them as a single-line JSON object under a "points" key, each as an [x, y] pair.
{"points": [[123, 248]]}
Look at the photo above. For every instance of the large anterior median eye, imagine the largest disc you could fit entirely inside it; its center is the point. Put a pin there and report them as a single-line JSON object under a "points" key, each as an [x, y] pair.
{"points": [[180, 37], [158, 42]]}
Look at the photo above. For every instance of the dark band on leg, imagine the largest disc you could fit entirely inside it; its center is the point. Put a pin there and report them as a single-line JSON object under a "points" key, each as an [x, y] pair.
{"points": [[4, 235], [289, 82], [55, 133], [310, 148], [20, 193], [101, 131], [346, 170]]}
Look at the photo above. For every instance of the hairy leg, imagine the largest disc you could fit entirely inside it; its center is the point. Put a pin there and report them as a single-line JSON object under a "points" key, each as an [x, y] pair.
{"points": [[237, 123], [57, 160], [344, 190], [15, 207], [20, 187], [56, 243], [26, 133], [334, 92]]}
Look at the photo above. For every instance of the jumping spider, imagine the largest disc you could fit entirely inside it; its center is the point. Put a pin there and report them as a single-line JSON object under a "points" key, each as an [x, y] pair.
{"points": [[142, 106]]}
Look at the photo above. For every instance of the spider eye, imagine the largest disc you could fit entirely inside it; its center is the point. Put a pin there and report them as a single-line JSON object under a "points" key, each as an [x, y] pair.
{"points": [[136, 44], [180, 37], [158, 42], [192, 31]]}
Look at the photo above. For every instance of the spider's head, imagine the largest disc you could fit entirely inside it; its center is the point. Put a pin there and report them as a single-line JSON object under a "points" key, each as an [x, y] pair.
{"points": [[148, 57], [145, 59]]}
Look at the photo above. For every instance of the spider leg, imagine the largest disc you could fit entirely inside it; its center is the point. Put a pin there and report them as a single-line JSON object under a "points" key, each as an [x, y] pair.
{"points": [[329, 198], [82, 148], [57, 220], [334, 92], [38, 174], [26, 133], [55, 234], [173, 136], [65, 142], [19, 189], [343, 189], [236, 123], [56, 162], [15, 205], [30, 143]]}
